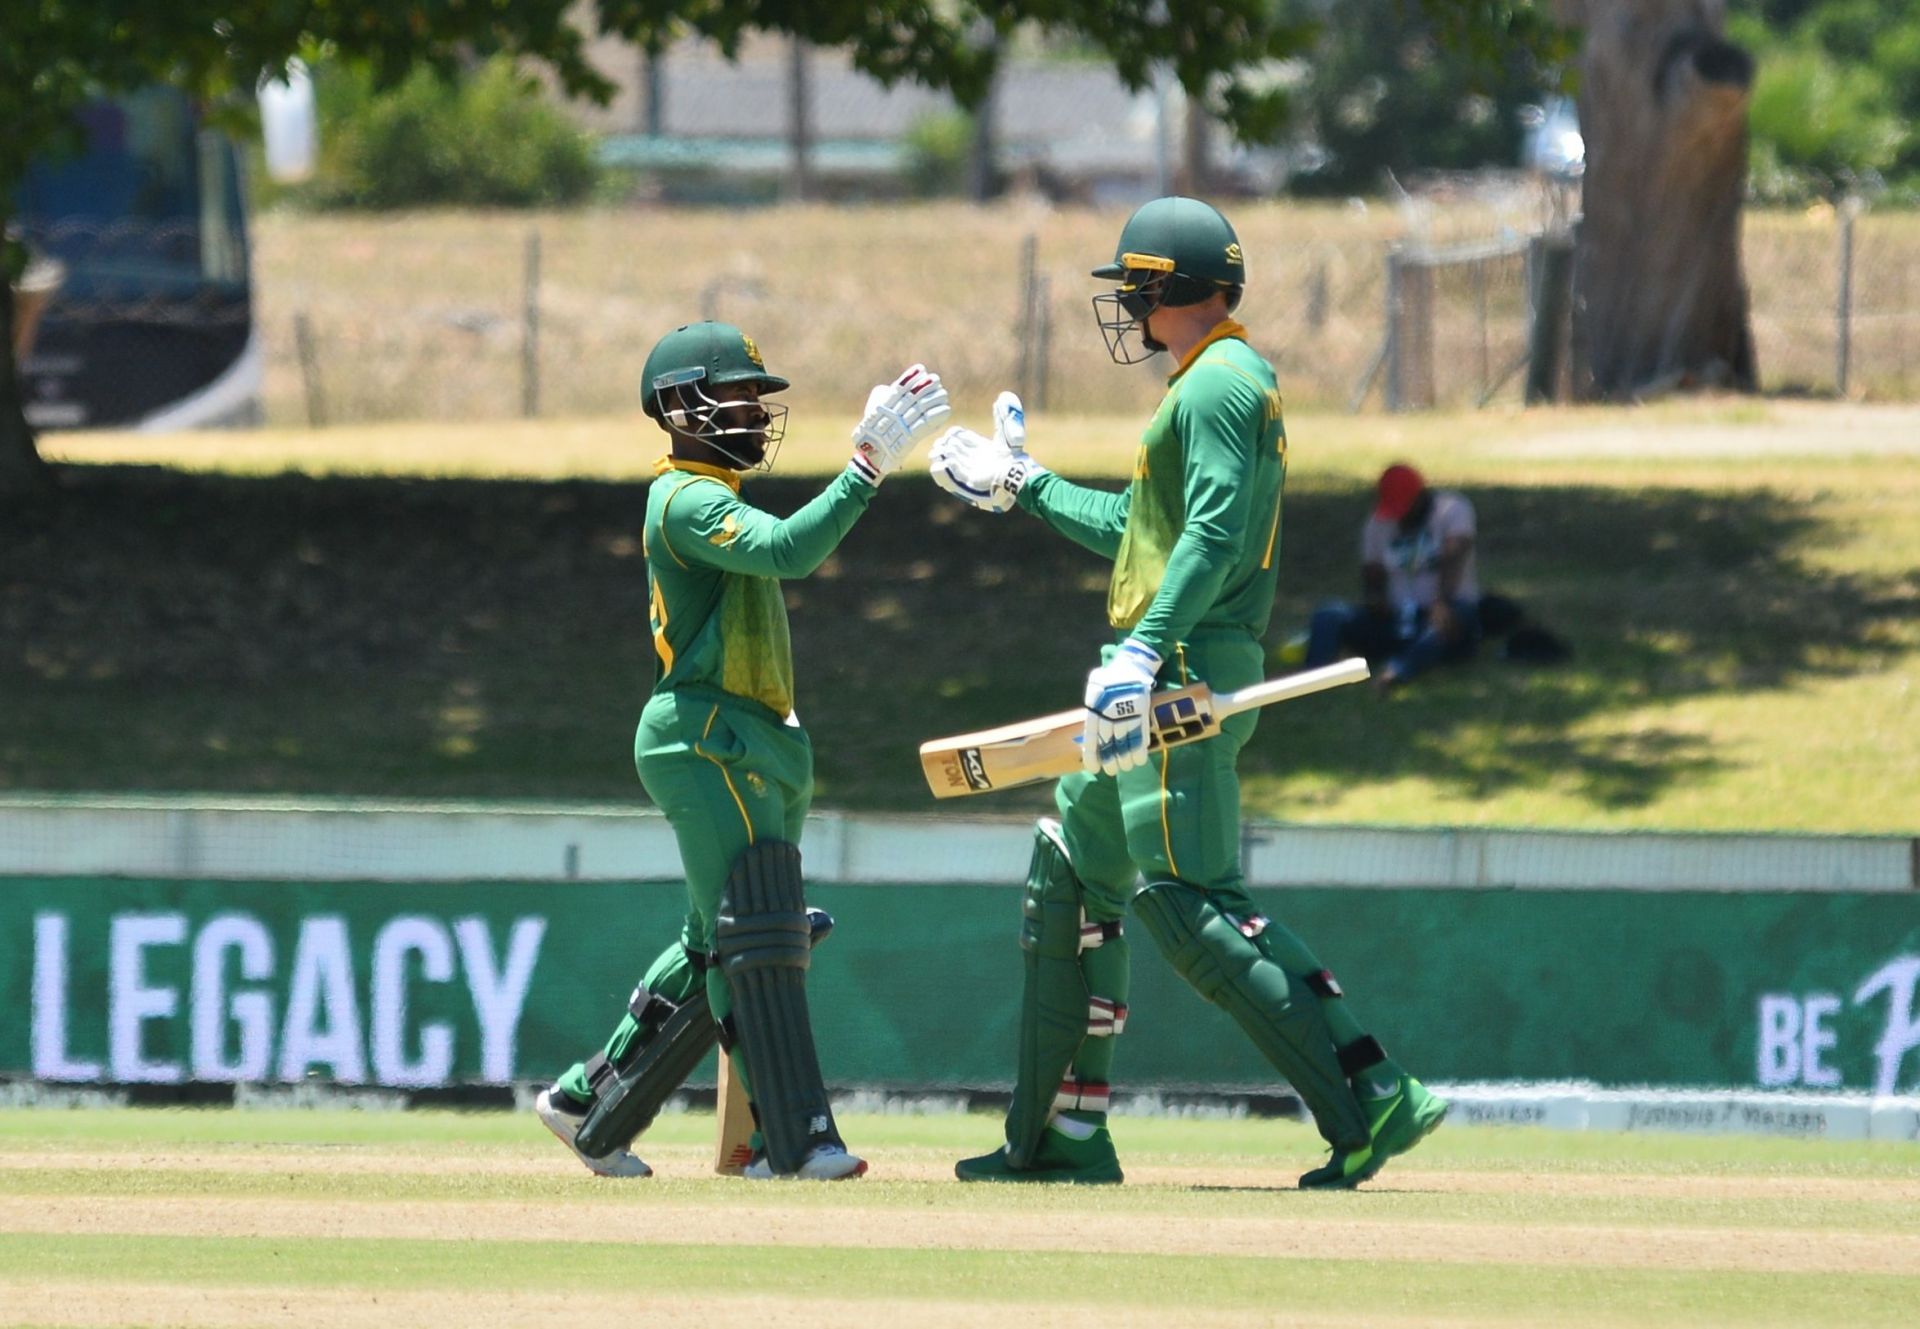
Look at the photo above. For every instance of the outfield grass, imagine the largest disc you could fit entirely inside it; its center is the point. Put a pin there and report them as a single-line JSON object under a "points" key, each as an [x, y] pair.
{"points": [[215, 1217], [1738, 579]]}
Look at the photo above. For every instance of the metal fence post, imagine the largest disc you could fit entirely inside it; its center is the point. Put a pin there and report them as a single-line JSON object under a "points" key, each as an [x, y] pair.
{"points": [[309, 370], [1413, 358], [1026, 330], [1317, 296], [1550, 283], [1390, 341], [530, 332], [1843, 303], [1480, 318], [1042, 340]]}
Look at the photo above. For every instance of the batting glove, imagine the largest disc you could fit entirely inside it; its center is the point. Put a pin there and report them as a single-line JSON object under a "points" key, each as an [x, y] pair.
{"points": [[899, 414], [1119, 704], [986, 472]]}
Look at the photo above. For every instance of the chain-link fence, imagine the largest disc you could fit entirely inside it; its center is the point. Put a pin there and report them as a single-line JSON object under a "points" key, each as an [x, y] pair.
{"points": [[467, 316], [473, 317], [1456, 324], [463, 316], [1836, 301]]}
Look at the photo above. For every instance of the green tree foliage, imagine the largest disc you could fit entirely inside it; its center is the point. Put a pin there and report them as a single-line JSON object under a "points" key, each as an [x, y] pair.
{"points": [[491, 139], [1837, 100], [939, 147], [1817, 124], [58, 54], [1385, 91]]}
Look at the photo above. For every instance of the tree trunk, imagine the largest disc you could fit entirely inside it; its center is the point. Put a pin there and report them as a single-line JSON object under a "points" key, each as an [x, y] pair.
{"points": [[21, 470], [983, 166], [1660, 300], [1196, 164], [799, 125]]}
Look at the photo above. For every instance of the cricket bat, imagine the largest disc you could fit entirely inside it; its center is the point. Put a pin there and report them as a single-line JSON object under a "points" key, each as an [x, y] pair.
{"points": [[733, 1148], [1049, 747]]}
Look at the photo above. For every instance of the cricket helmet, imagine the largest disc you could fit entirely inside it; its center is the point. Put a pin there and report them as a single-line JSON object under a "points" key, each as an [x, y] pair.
{"points": [[681, 382], [1172, 252]]}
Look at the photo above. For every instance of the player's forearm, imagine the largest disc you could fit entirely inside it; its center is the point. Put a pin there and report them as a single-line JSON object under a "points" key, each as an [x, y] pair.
{"points": [[794, 546], [1197, 570], [1091, 518]]}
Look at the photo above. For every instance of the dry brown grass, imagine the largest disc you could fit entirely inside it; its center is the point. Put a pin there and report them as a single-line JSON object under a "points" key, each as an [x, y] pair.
{"points": [[419, 316]]}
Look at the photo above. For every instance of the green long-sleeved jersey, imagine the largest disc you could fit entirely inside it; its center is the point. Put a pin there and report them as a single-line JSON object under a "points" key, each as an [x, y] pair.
{"points": [[1193, 539], [714, 567]]}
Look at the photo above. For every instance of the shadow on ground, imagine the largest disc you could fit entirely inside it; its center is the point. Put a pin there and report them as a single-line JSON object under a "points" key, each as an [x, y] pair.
{"points": [[445, 638]]}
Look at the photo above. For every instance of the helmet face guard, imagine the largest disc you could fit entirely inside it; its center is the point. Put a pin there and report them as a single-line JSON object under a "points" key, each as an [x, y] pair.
{"points": [[1144, 285], [746, 431]]}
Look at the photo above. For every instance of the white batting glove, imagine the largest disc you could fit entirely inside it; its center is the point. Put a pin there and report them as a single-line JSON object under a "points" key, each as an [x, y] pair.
{"points": [[986, 472], [1119, 707], [899, 414], [1010, 423], [972, 468]]}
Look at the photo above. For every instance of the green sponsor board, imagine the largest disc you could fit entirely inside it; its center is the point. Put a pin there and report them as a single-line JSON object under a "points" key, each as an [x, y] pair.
{"points": [[420, 985]]}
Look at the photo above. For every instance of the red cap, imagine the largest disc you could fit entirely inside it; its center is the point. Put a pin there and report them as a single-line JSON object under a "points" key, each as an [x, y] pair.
{"points": [[1400, 485]]}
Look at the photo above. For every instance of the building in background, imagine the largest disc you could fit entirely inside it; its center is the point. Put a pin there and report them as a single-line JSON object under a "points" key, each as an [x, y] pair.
{"points": [[787, 121]]}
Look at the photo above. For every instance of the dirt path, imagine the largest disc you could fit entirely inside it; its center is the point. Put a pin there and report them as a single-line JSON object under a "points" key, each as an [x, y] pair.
{"points": [[89, 1306], [690, 1163], [851, 1226], [1788, 429]]}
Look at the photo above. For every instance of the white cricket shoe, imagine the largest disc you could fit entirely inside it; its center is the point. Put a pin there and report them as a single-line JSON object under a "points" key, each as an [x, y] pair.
{"points": [[566, 1125], [826, 1162]]}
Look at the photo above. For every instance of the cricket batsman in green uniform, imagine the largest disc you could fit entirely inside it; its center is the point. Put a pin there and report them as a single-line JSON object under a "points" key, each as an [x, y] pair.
{"points": [[720, 751], [1193, 541]]}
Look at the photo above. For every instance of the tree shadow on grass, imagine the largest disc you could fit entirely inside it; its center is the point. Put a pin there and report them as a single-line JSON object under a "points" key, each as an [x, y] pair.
{"points": [[162, 630], [1665, 594]]}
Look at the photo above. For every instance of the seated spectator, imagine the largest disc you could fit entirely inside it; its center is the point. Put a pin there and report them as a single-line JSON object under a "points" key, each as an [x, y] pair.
{"points": [[1420, 591]]}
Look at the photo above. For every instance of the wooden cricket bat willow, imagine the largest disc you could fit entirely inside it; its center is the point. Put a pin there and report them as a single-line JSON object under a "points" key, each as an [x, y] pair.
{"points": [[733, 1145], [1048, 747]]}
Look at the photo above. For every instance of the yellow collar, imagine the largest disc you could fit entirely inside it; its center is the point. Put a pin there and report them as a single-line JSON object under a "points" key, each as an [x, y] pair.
{"points": [[1222, 330], [731, 479]]}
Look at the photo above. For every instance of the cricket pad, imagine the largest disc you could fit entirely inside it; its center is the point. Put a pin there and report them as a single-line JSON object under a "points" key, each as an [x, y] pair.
{"points": [[763, 940], [1053, 998], [627, 1097], [1273, 1007]]}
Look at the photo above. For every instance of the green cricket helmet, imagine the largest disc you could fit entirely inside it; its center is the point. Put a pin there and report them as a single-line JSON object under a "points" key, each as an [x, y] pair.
{"points": [[682, 386], [1172, 252]]}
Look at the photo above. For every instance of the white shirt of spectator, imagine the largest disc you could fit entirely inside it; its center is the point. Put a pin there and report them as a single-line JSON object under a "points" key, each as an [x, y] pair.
{"points": [[1412, 560]]}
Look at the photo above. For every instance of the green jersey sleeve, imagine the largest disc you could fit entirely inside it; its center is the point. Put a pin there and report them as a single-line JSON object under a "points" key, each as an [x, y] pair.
{"points": [[1220, 417], [708, 523], [1093, 518]]}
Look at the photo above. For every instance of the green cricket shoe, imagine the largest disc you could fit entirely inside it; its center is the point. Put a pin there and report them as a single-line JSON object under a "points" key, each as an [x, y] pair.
{"points": [[1088, 1162], [1395, 1124]]}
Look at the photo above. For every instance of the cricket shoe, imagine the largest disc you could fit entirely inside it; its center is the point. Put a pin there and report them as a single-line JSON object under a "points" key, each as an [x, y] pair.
{"points": [[824, 1162], [1395, 1124], [1060, 1158], [566, 1126]]}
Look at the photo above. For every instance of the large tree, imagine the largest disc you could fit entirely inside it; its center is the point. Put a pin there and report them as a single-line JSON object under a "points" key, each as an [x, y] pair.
{"points": [[1660, 299], [61, 53]]}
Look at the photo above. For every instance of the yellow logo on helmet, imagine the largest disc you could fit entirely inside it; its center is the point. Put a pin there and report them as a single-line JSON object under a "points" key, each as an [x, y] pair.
{"points": [[753, 352], [1233, 254]]}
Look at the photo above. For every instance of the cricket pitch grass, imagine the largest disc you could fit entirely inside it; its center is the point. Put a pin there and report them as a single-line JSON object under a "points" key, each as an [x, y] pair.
{"points": [[381, 1219]]}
